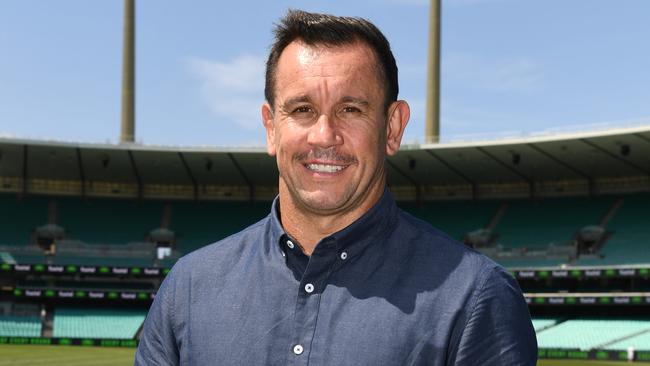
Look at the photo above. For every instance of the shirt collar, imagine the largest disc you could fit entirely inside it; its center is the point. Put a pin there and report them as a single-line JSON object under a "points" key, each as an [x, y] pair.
{"points": [[373, 224]]}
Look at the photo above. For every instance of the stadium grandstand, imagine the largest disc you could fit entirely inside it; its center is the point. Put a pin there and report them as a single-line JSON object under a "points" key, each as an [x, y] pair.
{"points": [[90, 230]]}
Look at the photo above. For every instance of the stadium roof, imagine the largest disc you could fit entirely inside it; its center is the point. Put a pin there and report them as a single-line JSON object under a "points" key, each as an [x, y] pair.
{"points": [[581, 157]]}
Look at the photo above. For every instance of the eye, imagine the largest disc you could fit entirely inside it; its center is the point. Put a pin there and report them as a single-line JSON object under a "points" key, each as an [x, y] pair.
{"points": [[350, 109], [302, 109]]}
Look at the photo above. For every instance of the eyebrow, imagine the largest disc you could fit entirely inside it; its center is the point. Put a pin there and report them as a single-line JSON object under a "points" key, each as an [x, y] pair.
{"points": [[306, 99], [297, 100], [350, 99]]}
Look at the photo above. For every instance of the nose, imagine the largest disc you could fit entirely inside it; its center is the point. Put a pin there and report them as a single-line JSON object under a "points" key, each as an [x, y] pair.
{"points": [[324, 133]]}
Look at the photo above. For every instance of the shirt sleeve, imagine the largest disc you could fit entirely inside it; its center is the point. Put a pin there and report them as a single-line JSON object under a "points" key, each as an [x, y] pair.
{"points": [[158, 344], [499, 330]]}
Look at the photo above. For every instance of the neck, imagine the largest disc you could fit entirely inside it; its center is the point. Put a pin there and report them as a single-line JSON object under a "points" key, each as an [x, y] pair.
{"points": [[309, 226]]}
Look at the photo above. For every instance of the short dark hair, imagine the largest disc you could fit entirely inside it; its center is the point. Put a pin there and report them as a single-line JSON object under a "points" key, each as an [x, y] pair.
{"points": [[330, 30]]}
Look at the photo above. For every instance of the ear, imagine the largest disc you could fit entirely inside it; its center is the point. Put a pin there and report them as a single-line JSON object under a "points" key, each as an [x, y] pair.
{"points": [[398, 117], [267, 121]]}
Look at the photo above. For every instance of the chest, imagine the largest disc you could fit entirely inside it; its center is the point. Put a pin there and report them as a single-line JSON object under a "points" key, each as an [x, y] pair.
{"points": [[279, 320]]}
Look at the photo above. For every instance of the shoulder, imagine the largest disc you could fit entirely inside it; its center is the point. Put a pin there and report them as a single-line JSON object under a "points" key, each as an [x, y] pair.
{"points": [[196, 274], [428, 238], [222, 253], [444, 256]]}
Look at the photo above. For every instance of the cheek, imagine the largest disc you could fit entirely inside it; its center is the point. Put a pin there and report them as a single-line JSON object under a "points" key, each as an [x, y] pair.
{"points": [[287, 144], [365, 142], [375, 154]]}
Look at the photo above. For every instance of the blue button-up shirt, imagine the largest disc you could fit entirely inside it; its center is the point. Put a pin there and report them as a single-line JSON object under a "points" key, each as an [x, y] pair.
{"points": [[387, 290]]}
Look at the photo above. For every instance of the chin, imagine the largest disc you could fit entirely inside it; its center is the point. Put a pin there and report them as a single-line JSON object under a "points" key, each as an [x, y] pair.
{"points": [[323, 200]]}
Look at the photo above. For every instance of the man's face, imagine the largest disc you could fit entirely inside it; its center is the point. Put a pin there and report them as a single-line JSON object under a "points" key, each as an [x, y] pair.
{"points": [[328, 127]]}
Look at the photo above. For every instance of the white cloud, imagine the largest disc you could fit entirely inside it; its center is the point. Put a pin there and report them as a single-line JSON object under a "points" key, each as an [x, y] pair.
{"points": [[517, 74], [233, 90]]}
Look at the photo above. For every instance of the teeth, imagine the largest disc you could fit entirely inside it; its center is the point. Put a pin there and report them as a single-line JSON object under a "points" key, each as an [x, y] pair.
{"points": [[323, 168]]}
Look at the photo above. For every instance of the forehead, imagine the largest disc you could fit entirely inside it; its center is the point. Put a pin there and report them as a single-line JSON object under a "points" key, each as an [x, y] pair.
{"points": [[300, 63]]}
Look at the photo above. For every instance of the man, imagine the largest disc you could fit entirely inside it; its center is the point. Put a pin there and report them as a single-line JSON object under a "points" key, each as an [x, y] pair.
{"points": [[336, 274]]}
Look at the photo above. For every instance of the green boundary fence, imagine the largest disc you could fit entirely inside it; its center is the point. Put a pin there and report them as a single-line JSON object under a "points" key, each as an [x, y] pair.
{"points": [[70, 341], [576, 354], [544, 353]]}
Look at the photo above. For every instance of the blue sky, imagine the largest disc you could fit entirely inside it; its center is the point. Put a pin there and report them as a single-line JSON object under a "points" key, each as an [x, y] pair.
{"points": [[508, 67]]}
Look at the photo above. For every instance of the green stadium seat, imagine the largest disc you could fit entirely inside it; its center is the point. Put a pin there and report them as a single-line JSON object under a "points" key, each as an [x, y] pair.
{"points": [[456, 218], [20, 326], [630, 242], [640, 342], [121, 222], [541, 324], [25, 215], [97, 323], [535, 224], [525, 263], [108, 221], [103, 261], [587, 334], [199, 224]]}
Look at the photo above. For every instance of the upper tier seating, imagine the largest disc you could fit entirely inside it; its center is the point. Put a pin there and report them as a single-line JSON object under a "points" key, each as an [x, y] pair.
{"points": [[106, 221], [527, 226], [630, 241], [199, 224], [552, 220], [115, 226], [456, 218], [19, 218]]}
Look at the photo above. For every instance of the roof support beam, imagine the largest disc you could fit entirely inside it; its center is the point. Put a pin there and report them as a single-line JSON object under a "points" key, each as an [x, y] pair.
{"points": [[136, 174], [190, 175], [590, 179], [610, 154], [531, 184], [418, 191], [24, 172], [82, 175], [457, 172], [251, 186], [644, 138]]}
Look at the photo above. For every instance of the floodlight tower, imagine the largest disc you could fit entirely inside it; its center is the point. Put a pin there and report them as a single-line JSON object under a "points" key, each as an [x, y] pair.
{"points": [[432, 121], [127, 133]]}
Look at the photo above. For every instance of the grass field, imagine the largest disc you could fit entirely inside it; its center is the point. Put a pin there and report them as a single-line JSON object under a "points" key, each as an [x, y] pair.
{"points": [[26, 355], [585, 363]]}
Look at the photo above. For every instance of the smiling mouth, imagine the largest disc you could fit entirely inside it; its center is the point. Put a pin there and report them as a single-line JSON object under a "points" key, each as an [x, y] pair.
{"points": [[325, 168]]}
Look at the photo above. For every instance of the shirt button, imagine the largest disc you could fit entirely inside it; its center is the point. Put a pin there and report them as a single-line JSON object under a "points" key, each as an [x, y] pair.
{"points": [[344, 255], [309, 288], [290, 244], [297, 349]]}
